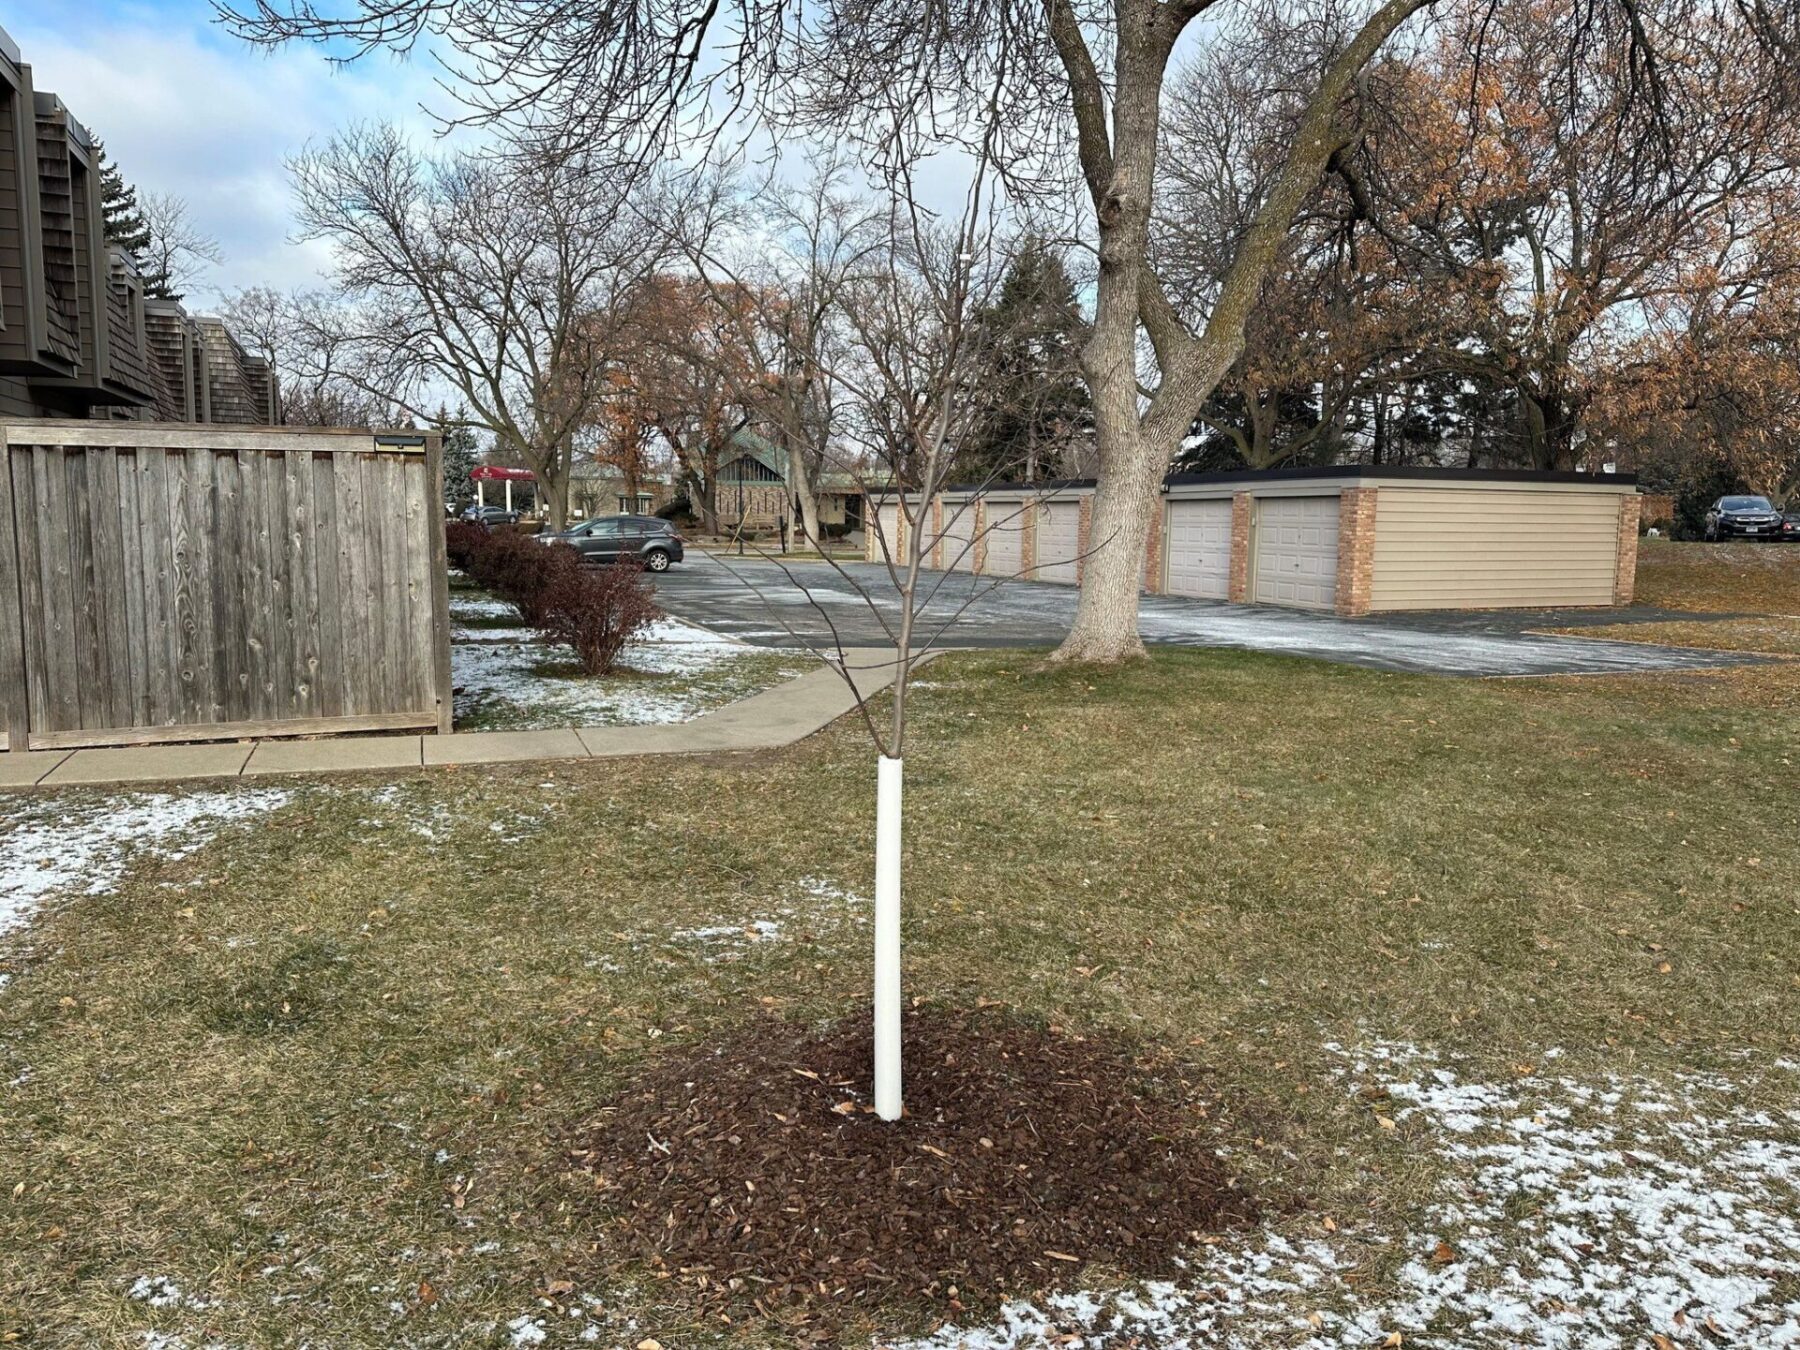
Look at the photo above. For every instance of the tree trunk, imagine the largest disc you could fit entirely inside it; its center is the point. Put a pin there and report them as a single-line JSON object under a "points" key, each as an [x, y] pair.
{"points": [[1120, 169], [801, 484]]}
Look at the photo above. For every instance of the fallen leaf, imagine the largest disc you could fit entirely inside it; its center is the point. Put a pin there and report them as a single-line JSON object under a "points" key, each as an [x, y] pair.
{"points": [[1443, 1254]]}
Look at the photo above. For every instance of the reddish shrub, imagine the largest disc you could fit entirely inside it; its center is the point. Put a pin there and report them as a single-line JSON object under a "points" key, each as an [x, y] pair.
{"points": [[463, 539], [597, 611], [523, 572]]}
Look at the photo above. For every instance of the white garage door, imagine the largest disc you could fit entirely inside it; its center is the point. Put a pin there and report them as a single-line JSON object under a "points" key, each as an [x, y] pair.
{"points": [[1199, 549], [892, 543], [1296, 551], [1005, 524], [1058, 541], [959, 536]]}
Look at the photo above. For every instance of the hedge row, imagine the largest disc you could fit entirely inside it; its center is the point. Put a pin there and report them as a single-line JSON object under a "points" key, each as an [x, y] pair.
{"points": [[595, 610]]}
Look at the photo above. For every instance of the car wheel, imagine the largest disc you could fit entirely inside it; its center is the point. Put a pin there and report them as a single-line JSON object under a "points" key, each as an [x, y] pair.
{"points": [[656, 560]]}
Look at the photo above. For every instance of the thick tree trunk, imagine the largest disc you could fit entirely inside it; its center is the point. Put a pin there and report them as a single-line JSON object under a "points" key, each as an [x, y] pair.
{"points": [[808, 502], [1119, 163]]}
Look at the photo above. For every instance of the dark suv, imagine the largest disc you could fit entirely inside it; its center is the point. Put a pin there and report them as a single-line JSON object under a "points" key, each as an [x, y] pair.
{"points": [[1743, 518], [490, 515], [605, 539]]}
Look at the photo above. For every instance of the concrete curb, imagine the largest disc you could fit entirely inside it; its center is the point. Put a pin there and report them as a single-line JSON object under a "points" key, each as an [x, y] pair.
{"points": [[767, 721]]}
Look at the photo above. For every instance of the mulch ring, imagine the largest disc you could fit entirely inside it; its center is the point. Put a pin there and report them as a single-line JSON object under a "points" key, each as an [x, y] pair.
{"points": [[753, 1175]]}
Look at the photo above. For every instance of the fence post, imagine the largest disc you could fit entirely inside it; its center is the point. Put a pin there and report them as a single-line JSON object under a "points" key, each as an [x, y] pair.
{"points": [[15, 722], [440, 586]]}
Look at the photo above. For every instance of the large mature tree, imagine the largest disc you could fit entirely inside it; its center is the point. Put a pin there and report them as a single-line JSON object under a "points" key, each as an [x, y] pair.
{"points": [[1569, 198], [1026, 79], [309, 337], [501, 276]]}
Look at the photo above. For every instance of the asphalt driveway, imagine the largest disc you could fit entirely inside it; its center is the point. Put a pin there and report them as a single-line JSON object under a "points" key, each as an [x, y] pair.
{"points": [[759, 602]]}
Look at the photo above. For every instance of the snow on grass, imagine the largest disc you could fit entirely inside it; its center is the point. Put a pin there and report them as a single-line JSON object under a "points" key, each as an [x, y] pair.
{"points": [[675, 673], [1594, 1215], [466, 608], [66, 845]]}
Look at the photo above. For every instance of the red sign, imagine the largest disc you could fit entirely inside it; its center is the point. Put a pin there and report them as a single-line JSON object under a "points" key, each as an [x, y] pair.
{"points": [[494, 473]]}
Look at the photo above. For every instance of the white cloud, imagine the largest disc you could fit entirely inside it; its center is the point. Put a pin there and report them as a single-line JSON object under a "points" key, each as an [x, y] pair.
{"points": [[182, 108]]}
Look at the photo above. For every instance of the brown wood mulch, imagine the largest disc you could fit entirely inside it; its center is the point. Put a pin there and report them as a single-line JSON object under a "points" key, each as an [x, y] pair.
{"points": [[753, 1175]]}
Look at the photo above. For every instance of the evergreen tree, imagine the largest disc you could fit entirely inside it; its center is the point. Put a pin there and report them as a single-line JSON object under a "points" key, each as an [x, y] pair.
{"points": [[1037, 419], [462, 452], [124, 221]]}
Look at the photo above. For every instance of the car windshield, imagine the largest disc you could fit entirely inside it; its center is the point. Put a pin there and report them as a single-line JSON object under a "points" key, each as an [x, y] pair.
{"points": [[1746, 504]]}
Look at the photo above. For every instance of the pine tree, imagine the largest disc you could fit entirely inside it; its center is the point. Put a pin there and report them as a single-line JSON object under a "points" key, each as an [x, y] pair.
{"points": [[125, 225], [462, 452], [1038, 417]]}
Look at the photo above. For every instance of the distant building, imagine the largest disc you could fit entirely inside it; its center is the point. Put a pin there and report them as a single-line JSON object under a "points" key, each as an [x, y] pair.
{"points": [[78, 337], [753, 489]]}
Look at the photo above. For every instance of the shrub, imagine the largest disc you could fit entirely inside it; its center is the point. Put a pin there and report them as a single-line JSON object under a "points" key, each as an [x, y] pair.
{"points": [[463, 539], [522, 571], [597, 611]]}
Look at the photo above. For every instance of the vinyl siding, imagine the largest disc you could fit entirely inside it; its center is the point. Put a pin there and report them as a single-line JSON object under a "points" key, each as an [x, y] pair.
{"points": [[1492, 548]]}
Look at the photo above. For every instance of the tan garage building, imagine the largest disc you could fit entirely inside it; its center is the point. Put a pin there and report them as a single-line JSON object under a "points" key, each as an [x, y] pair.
{"points": [[1354, 539]]}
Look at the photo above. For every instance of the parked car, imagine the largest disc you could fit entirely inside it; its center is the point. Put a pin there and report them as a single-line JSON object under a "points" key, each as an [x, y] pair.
{"points": [[1790, 527], [606, 539], [1743, 518], [490, 515]]}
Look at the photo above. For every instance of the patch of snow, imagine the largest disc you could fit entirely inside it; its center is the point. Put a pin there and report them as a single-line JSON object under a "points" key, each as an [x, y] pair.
{"points": [[65, 845], [1585, 1216], [526, 1330], [501, 672], [466, 607], [159, 1291]]}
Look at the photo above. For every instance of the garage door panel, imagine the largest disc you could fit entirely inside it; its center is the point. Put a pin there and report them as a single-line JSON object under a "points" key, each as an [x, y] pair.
{"points": [[1005, 524], [1198, 546], [892, 543], [1296, 551], [1058, 541], [959, 536]]}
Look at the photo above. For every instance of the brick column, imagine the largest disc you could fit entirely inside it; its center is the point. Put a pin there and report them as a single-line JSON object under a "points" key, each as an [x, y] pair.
{"points": [[1237, 586], [1028, 539], [980, 528], [937, 533], [1082, 529], [1153, 550], [1356, 550], [1625, 564]]}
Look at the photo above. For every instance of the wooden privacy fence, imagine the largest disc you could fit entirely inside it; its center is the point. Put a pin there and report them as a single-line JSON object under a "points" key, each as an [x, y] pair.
{"points": [[168, 582]]}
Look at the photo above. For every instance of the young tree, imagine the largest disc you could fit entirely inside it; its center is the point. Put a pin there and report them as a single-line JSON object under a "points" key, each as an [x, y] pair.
{"points": [[175, 252], [502, 277]]}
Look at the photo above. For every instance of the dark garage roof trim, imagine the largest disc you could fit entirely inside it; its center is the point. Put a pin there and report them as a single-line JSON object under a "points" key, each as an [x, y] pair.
{"points": [[1416, 472], [1336, 472]]}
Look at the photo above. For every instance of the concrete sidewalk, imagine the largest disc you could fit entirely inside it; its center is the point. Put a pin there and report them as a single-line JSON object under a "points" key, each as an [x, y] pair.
{"points": [[766, 721]]}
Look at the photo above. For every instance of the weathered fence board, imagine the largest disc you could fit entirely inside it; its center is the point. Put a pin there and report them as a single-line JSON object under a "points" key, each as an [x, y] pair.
{"points": [[165, 583]]}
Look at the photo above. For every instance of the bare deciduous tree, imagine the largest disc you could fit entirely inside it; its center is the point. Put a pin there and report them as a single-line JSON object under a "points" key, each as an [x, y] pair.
{"points": [[175, 251], [502, 277]]}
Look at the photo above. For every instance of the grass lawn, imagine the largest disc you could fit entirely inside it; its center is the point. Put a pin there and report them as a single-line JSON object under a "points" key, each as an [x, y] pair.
{"points": [[1498, 984]]}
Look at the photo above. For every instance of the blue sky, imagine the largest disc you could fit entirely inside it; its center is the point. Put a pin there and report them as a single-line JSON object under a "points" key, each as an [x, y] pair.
{"points": [[185, 108]]}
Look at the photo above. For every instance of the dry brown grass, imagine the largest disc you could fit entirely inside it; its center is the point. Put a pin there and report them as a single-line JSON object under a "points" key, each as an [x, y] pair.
{"points": [[315, 1072], [1719, 578]]}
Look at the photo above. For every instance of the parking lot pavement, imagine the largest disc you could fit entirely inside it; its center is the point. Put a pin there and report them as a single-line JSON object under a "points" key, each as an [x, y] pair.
{"points": [[858, 605]]}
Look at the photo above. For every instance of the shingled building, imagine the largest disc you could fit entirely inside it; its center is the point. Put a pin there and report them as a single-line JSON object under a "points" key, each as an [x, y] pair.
{"points": [[78, 337]]}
